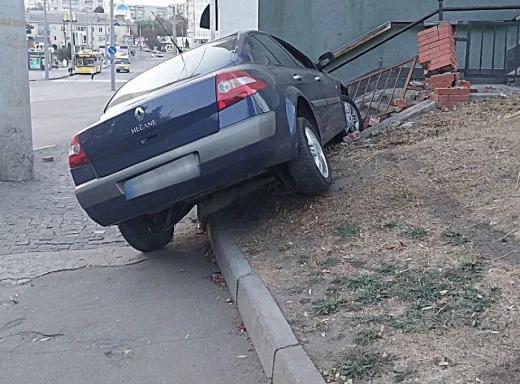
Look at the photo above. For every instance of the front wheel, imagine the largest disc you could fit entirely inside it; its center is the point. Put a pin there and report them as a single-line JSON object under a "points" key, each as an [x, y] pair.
{"points": [[147, 233], [353, 118], [310, 169]]}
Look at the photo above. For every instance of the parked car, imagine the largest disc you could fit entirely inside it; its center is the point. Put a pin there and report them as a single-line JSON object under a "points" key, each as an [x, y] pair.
{"points": [[157, 54], [246, 105]]}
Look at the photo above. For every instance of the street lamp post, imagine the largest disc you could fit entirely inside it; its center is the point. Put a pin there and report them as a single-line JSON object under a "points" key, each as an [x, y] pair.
{"points": [[213, 12], [45, 41], [113, 44]]}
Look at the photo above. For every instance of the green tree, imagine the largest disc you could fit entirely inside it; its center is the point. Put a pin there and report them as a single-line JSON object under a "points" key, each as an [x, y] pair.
{"points": [[28, 28], [99, 9]]}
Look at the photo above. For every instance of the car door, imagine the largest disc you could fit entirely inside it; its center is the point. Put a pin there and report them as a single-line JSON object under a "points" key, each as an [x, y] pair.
{"points": [[292, 72], [334, 114]]}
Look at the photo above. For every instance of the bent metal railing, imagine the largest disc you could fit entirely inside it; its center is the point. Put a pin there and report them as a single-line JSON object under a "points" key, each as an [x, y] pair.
{"points": [[375, 92]]}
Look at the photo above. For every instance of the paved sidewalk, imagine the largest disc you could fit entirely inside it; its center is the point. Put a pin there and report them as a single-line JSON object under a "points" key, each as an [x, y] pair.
{"points": [[53, 74], [43, 215]]}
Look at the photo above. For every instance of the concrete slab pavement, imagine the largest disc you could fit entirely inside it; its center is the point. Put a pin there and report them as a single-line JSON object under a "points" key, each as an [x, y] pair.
{"points": [[158, 321], [57, 73]]}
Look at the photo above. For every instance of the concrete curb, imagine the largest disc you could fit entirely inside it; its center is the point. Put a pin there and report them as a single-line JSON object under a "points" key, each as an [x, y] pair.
{"points": [[282, 357]]}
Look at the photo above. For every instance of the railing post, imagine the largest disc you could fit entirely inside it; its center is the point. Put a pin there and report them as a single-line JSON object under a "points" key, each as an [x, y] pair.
{"points": [[441, 10]]}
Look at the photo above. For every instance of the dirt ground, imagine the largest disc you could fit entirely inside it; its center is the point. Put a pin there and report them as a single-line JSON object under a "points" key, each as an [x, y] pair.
{"points": [[408, 271]]}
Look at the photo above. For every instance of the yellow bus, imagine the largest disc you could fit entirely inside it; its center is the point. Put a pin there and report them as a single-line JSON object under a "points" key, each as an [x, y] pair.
{"points": [[89, 62]]}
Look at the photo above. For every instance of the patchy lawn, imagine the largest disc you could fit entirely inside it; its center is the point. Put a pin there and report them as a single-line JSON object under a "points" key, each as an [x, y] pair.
{"points": [[409, 270]]}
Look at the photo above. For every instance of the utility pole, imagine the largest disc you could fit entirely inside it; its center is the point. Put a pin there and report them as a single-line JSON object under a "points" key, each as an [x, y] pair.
{"points": [[16, 151], [113, 44], [86, 26], [213, 19], [71, 36], [45, 40]]}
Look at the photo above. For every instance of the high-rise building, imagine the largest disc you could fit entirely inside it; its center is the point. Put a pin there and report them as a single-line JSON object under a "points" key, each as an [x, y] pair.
{"points": [[194, 11], [64, 5]]}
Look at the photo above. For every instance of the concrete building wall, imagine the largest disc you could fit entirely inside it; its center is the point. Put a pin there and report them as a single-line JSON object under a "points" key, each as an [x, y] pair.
{"points": [[237, 16], [317, 26]]}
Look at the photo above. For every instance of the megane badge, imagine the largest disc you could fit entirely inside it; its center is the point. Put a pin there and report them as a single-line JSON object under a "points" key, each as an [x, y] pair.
{"points": [[139, 114]]}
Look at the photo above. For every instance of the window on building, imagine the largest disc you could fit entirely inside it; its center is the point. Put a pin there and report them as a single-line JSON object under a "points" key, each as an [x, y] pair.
{"points": [[100, 29]]}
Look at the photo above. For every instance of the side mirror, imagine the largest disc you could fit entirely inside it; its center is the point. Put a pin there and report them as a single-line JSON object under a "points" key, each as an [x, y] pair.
{"points": [[325, 60]]}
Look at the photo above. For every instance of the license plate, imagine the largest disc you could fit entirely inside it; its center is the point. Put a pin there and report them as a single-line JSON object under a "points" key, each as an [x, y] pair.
{"points": [[176, 172]]}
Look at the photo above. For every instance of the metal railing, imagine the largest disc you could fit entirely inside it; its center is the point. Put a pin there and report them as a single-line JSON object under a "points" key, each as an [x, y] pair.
{"points": [[375, 92]]}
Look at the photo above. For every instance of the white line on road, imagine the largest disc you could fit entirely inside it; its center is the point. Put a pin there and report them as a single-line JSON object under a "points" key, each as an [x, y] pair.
{"points": [[88, 81], [44, 147], [40, 99]]}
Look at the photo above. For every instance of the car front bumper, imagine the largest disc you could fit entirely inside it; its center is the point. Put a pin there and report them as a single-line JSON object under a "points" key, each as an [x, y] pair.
{"points": [[231, 154]]}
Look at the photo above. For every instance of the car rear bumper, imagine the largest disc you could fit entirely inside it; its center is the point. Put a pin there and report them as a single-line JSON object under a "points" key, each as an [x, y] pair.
{"points": [[215, 160]]}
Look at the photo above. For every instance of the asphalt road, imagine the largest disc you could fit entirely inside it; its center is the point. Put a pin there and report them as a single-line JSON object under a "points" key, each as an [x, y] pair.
{"points": [[61, 108]]}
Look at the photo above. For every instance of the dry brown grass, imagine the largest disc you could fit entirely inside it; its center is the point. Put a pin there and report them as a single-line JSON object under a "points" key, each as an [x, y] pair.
{"points": [[411, 210]]}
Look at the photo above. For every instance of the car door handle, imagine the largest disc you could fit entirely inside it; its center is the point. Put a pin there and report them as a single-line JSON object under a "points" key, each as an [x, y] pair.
{"points": [[297, 77], [317, 78]]}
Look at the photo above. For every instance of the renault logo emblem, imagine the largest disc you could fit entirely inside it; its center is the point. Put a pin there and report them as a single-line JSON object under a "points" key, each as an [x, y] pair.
{"points": [[139, 114]]}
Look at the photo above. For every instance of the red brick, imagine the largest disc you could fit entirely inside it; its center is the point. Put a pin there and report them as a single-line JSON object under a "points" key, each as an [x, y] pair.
{"points": [[441, 59], [460, 98], [464, 84], [444, 77], [427, 31], [399, 102], [445, 27], [428, 41], [446, 35], [445, 84], [473, 90], [400, 108], [441, 97], [423, 59]]}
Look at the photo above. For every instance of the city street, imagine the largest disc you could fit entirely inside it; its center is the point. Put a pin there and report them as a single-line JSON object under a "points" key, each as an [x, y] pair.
{"points": [[60, 108], [77, 304]]}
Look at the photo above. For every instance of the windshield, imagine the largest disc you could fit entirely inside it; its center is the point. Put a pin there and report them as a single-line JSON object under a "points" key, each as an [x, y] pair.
{"points": [[197, 62], [122, 61], [85, 61]]}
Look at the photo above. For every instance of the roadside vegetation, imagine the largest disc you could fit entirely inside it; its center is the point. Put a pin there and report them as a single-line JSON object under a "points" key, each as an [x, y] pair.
{"points": [[408, 270]]}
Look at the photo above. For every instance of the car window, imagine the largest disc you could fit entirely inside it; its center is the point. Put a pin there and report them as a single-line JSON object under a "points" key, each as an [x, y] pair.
{"points": [[297, 55], [258, 53], [282, 56], [197, 62]]}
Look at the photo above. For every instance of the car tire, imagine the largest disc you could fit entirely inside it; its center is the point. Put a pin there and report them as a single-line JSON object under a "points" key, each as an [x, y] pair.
{"points": [[144, 235], [354, 120], [310, 170]]}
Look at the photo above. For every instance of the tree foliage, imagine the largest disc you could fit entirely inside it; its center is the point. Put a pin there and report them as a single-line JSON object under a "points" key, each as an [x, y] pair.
{"points": [[99, 9]]}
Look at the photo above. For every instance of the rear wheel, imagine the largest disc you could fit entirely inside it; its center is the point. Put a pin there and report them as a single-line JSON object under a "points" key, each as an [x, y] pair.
{"points": [[310, 169], [147, 233]]}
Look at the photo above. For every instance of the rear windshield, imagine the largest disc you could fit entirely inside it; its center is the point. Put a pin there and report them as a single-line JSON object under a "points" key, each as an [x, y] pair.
{"points": [[197, 62]]}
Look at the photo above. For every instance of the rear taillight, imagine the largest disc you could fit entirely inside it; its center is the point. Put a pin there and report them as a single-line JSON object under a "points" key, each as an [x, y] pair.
{"points": [[235, 86], [76, 155]]}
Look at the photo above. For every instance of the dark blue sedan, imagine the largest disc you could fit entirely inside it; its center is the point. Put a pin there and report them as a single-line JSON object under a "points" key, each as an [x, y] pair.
{"points": [[205, 120]]}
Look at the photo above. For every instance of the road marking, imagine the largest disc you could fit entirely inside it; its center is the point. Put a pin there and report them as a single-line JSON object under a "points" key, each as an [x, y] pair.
{"points": [[44, 147], [40, 99], [88, 81]]}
